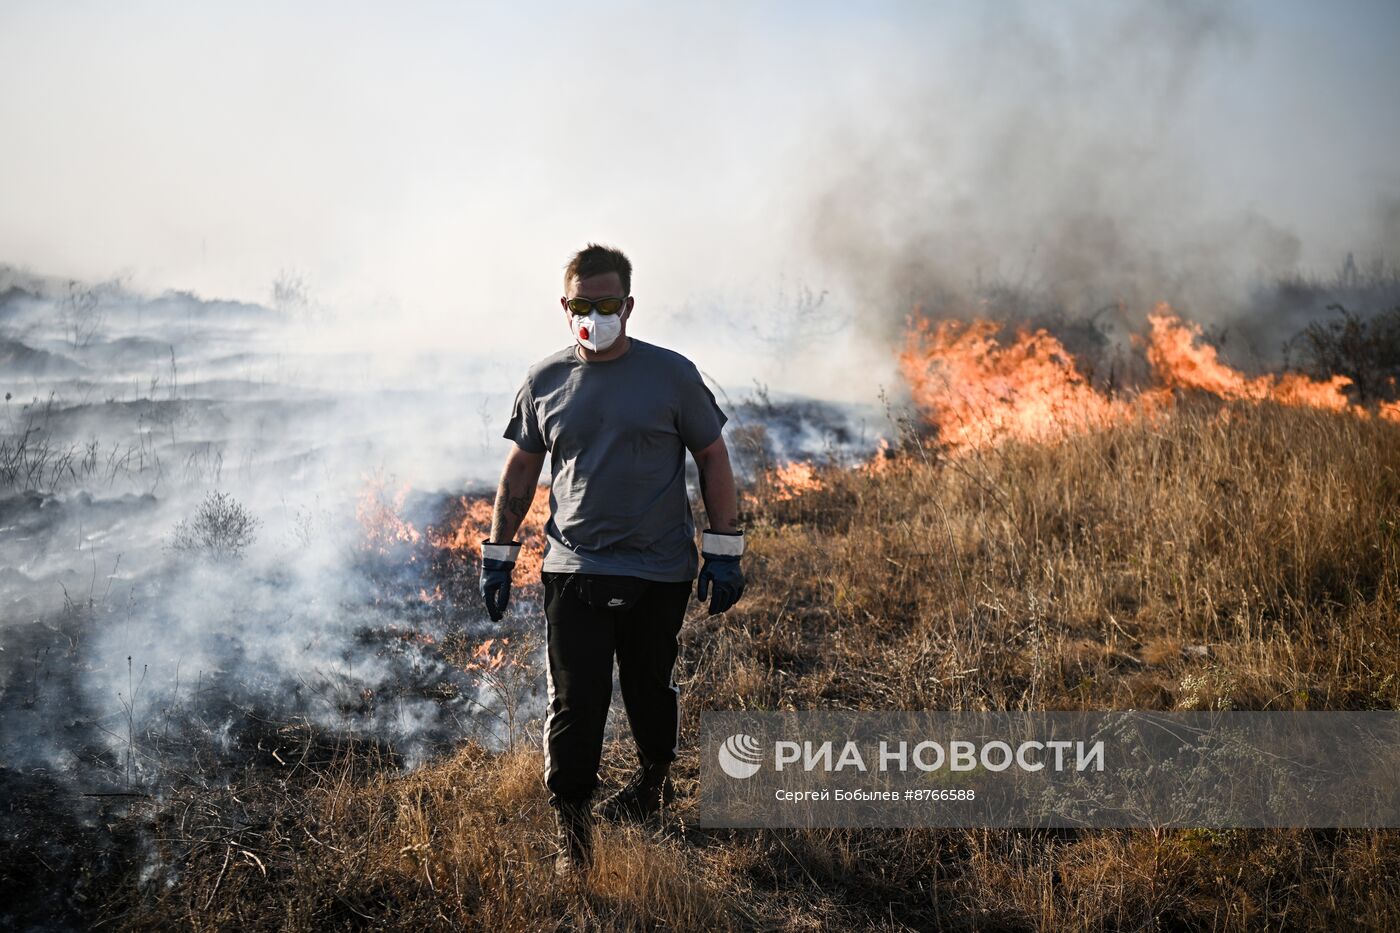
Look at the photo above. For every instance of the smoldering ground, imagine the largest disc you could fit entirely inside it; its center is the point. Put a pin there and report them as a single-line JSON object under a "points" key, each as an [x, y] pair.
{"points": [[222, 549]]}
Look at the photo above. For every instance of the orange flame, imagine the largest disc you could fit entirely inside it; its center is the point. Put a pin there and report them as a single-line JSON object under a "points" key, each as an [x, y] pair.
{"points": [[467, 531], [1180, 363], [385, 529], [493, 661], [379, 518], [792, 479], [880, 462], [979, 391]]}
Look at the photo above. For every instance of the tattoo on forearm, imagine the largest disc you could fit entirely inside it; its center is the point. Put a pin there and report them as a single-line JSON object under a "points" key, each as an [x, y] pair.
{"points": [[498, 514], [510, 510]]}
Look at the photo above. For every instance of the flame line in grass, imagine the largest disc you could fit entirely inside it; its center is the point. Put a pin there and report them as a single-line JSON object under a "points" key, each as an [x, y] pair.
{"points": [[980, 390]]}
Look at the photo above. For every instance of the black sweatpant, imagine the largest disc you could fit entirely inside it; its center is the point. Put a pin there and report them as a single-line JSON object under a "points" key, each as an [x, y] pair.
{"points": [[582, 641]]}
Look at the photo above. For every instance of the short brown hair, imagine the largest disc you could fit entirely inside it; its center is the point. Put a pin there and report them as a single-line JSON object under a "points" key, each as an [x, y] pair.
{"points": [[595, 259]]}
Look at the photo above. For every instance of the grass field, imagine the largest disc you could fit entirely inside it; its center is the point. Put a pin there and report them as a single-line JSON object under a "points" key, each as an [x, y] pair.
{"points": [[1244, 556]]}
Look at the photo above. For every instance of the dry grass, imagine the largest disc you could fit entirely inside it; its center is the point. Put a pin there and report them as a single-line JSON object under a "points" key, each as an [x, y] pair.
{"points": [[1259, 542], [1246, 560], [462, 844]]}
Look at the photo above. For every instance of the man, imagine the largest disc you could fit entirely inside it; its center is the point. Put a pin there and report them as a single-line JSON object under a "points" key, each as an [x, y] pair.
{"points": [[616, 415]]}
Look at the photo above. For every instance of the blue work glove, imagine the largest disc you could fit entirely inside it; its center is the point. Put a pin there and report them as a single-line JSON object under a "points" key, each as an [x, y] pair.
{"points": [[721, 551], [497, 561]]}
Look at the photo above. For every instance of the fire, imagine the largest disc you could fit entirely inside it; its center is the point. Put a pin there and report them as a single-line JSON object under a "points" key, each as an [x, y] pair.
{"points": [[880, 462], [1180, 363], [979, 390], [488, 659], [466, 532], [385, 529], [787, 482], [379, 517], [792, 479]]}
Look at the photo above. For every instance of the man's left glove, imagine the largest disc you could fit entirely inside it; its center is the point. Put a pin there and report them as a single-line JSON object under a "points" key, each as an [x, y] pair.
{"points": [[497, 561], [721, 550]]}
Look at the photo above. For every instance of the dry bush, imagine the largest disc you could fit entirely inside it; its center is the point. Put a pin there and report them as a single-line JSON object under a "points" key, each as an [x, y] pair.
{"points": [[221, 528], [1364, 349]]}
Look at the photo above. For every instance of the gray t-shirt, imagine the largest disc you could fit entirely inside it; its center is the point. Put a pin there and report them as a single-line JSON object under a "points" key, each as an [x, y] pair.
{"points": [[617, 432]]}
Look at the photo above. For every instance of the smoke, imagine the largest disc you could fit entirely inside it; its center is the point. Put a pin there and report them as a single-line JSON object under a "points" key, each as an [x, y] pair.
{"points": [[1060, 161], [1387, 225], [213, 524], [118, 629]]}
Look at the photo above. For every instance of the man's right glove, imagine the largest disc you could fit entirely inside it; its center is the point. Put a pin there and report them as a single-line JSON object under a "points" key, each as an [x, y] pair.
{"points": [[497, 561], [721, 550]]}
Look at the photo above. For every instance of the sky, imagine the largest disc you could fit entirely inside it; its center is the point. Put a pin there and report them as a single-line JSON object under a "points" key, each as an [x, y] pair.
{"points": [[426, 169]]}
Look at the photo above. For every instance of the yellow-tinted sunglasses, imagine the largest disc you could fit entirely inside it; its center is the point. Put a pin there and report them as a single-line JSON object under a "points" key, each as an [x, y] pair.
{"points": [[604, 305]]}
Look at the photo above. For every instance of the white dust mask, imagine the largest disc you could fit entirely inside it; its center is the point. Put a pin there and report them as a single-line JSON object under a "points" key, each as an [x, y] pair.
{"points": [[596, 331]]}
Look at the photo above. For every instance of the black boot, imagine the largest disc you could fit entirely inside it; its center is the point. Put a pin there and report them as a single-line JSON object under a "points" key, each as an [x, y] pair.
{"points": [[643, 795], [573, 835]]}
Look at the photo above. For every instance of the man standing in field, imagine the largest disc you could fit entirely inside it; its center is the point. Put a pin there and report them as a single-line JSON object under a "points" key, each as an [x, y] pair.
{"points": [[616, 415]]}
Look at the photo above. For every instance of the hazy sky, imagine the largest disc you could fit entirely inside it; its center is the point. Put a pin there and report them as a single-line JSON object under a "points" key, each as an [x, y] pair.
{"points": [[427, 168]]}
